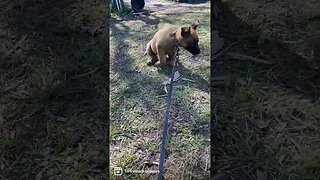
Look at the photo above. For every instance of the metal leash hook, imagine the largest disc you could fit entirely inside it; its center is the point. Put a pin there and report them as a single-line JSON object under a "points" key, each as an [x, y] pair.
{"points": [[166, 118], [176, 76]]}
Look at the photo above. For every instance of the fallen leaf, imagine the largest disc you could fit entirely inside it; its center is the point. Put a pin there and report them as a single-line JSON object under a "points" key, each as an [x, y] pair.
{"points": [[263, 124], [281, 158], [281, 126]]}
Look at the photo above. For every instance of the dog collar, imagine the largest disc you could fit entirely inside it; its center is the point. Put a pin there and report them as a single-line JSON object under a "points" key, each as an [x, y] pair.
{"points": [[175, 37]]}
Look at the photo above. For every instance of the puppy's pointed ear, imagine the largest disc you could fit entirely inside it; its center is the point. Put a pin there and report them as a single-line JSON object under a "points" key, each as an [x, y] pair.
{"points": [[185, 31], [194, 25]]}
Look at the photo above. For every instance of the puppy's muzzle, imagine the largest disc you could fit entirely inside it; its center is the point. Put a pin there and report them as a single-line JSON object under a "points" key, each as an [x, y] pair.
{"points": [[193, 48]]}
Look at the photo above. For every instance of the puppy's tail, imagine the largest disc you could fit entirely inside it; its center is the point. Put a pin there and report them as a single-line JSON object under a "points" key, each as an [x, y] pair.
{"points": [[145, 53]]}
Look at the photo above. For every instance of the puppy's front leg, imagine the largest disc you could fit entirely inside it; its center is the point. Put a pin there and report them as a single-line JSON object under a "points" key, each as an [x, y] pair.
{"points": [[172, 57]]}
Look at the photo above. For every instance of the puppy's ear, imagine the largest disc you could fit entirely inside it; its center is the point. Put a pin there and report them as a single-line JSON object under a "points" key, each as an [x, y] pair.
{"points": [[185, 31], [194, 25]]}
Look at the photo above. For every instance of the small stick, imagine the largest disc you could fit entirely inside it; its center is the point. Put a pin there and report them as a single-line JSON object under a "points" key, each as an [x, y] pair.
{"points": [[77, 76], [164, 95], [220, 53], [185, 79], [244, 57]]}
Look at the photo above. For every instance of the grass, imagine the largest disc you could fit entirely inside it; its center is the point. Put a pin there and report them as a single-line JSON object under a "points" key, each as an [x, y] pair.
{"points": [[267, 116], [53, 76], [137, 105]]}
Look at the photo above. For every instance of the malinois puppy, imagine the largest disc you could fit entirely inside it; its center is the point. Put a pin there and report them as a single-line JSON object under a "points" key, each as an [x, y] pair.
{"points": [[166, 41]]}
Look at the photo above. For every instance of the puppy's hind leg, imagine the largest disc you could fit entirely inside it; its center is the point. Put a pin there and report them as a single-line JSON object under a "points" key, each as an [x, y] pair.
{"points": [[153, 56]]}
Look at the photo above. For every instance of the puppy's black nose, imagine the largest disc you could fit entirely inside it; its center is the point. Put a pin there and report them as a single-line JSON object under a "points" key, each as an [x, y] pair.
{"points": [[196, 52]]}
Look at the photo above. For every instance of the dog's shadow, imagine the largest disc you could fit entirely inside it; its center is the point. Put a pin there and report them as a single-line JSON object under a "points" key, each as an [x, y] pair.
{"points": [[186, 74]]}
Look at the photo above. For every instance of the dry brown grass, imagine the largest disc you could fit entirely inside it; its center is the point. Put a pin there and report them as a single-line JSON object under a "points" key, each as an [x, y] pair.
{"points": [[53, 90], [268, 116], [293, 23]]}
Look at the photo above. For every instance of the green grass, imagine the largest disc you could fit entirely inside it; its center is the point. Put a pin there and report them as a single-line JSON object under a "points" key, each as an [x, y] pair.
{"points": [[52, 83], [137, 103]]}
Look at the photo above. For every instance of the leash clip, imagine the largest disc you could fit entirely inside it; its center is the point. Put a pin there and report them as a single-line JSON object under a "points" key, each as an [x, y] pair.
{"points": [[176, 77]]}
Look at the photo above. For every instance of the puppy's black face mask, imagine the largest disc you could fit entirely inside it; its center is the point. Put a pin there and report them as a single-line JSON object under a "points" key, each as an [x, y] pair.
{"points": [[193, 48]]}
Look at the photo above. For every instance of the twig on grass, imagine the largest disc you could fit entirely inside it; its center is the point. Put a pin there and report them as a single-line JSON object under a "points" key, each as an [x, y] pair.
{"points": [[220, 53], [239, 56], [185, 79], [160, 96], [303, 123], [77, 76]]}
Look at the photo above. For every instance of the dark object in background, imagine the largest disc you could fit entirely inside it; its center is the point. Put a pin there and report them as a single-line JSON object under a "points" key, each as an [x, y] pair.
{"points": [[137, 5], [180, 1], [215, 17], [190, 1]]}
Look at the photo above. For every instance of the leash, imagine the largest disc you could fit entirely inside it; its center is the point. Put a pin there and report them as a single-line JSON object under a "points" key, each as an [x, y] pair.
{"points": [[166, 118]]}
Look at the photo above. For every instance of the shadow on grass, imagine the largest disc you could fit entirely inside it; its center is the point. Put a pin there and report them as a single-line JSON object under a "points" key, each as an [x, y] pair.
{"points": [[55, 120], [243, 147], [290, 70]]}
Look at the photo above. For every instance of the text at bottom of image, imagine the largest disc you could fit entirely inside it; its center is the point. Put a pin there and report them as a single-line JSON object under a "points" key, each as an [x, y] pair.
{"points": [[118, 171]]}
